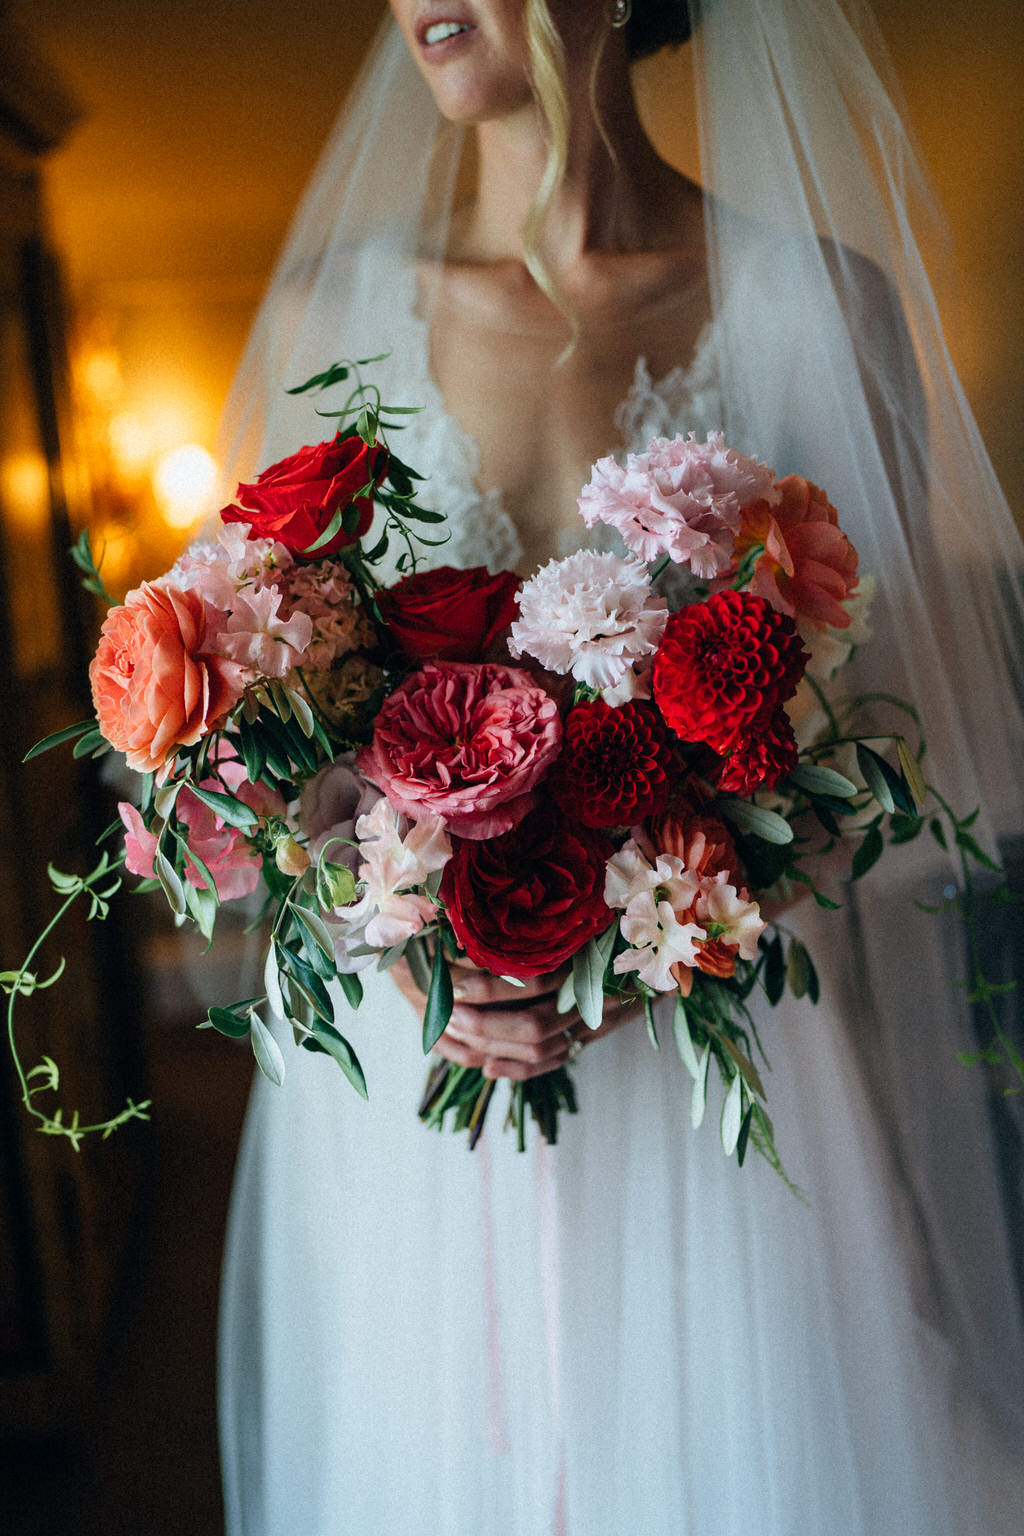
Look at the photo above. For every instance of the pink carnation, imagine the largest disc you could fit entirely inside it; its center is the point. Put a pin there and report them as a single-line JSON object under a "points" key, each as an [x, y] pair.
{"points": [[592, 614], [466, 742], [681, 498]]}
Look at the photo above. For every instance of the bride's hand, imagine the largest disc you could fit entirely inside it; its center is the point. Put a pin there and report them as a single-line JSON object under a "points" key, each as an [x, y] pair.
{"points": [[510, 1031]]}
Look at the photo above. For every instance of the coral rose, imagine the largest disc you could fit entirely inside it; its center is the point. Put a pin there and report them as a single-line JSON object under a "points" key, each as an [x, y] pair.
{"points": [[450, 615], [466, 743], [295, 500], [809, 567], [522, 904], [723, 663], [153, 688]]}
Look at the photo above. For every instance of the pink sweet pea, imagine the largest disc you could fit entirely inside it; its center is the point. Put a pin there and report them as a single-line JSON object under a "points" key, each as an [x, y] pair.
{"points": [[234, 865]]}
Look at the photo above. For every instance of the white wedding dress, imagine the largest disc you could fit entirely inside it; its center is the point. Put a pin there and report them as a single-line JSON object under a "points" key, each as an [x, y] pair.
{"points": [[624, 1333]]}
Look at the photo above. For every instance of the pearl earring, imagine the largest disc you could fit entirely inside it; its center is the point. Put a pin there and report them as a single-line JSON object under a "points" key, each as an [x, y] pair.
{"points": [[619, 12]]}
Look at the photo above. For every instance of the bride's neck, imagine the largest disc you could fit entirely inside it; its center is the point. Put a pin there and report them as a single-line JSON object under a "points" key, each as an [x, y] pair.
{"points": [[609, 197]]}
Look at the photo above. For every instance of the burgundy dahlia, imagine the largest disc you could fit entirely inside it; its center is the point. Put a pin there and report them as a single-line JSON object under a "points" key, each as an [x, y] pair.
{"points": [[614, 768], [724, 662]]}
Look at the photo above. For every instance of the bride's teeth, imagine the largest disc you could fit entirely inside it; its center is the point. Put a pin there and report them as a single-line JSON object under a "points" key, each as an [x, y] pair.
{"points": [[441, 30]]}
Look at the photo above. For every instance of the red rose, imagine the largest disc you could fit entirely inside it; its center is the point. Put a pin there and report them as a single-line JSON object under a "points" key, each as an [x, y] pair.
{"points": [[294, 501], [521, 904], [724, 662], [760, 758], [450, 615], [614, 765]]}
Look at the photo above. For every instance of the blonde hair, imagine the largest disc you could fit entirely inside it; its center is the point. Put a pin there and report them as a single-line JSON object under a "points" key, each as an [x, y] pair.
{"points": [[551, 88], [550, 85]]}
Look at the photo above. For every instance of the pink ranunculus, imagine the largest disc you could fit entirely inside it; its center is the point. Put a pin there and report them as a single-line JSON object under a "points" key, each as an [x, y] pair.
{"points": [[153, 686], [234, 865], [464, 741]]}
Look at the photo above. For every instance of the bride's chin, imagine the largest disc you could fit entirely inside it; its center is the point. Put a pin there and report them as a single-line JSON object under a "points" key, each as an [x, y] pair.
{"points": [[473, 99]]}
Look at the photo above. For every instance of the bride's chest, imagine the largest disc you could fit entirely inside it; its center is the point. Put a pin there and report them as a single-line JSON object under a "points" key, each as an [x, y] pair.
{"points": [[511, 427]]}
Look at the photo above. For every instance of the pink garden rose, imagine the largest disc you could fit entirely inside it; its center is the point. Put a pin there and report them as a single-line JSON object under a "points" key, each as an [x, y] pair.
{"points": [[466, 742], [153, 686]]}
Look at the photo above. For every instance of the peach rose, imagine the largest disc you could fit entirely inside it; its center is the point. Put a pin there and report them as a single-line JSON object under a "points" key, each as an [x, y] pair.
{"points": [[153, 688], [809, 567]]}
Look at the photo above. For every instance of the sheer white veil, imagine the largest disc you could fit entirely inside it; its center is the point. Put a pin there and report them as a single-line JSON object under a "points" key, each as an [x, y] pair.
{"points": [[833, 363]]}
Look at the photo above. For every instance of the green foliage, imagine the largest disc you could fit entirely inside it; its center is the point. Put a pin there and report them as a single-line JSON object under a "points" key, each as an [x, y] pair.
{"points": [[98, 887]]}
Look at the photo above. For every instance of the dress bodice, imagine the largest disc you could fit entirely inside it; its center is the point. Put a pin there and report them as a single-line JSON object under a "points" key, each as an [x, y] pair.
{"points": [[480, 528]]}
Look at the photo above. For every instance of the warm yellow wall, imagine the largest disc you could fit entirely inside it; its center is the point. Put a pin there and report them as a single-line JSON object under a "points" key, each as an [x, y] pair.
{"points": [[204, 120]]}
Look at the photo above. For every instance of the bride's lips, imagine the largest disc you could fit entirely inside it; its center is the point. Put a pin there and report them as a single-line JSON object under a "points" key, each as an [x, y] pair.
{"points": [[442, 33]]}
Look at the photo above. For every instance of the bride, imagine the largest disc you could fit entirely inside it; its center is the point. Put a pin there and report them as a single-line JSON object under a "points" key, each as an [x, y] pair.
{"points": [[626, 1332]]}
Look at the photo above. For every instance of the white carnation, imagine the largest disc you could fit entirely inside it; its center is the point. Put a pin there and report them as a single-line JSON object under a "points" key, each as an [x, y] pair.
{"points": [[591, 615]]}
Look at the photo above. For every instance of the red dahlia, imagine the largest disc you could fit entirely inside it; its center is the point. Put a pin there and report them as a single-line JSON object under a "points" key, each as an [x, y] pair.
{"points": [[521, 904], [614, 768], [724, 662], [761, 757]]}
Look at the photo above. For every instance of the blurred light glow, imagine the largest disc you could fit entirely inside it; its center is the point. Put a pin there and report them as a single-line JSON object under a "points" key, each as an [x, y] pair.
{"points": [[25, 489], [131, 444], [183, 482], [101, 377]]}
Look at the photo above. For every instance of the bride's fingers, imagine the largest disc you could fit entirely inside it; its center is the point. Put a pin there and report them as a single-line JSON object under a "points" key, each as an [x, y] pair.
{"points": [[532, 1035], [470, 985], [492, 1063]]}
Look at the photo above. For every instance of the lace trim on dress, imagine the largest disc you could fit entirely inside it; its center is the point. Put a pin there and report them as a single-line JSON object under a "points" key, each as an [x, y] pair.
{"points": [[479, 526]]}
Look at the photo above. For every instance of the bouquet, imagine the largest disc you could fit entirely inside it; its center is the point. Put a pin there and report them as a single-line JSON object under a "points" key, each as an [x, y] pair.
{"points": [[569, 776]]}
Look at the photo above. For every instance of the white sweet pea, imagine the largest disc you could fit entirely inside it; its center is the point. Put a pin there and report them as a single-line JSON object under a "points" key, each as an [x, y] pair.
{"points": [[629, 873], [659, 941]]}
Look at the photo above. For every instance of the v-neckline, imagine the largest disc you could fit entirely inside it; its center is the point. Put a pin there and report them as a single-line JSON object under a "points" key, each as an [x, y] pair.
{"points": [[676, 382]]}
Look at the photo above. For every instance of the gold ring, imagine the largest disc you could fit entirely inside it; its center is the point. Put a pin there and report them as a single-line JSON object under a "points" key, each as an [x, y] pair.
{"points": [[575, 1046]]}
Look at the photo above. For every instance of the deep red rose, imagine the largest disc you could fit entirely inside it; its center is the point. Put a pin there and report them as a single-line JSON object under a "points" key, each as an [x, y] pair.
{"points": [[724, 662], [614, 767], [761, 757], [450, 615], [295, 500], [521, 904]]}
